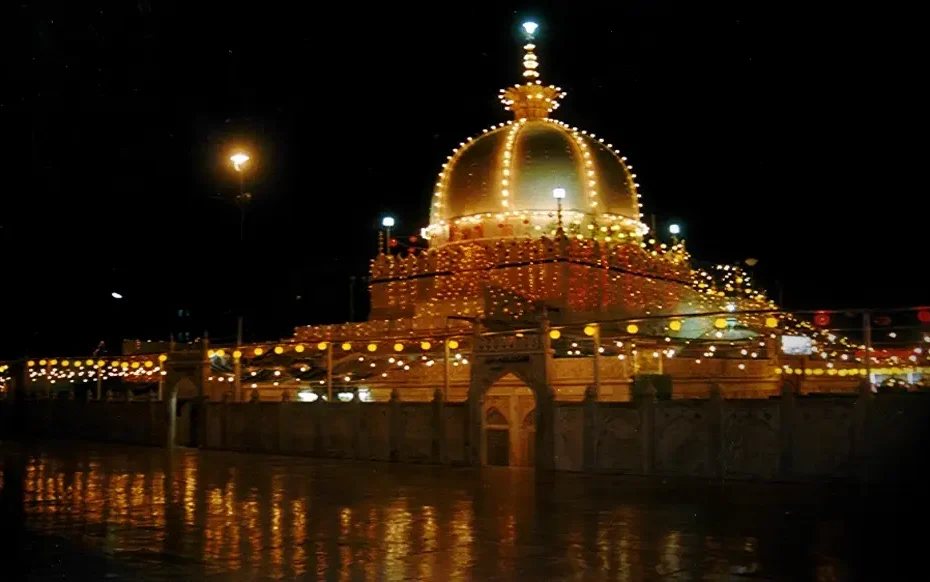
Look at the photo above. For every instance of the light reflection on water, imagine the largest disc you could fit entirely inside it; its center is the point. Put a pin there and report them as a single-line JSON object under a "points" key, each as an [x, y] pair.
{"points": [[202, 513]]}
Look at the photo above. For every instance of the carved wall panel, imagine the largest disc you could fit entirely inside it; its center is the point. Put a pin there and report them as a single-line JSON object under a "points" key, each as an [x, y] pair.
{"points": [[569, 437], [681, 438], [619, 447], [417, 423], [750, 439], [823, 437]]}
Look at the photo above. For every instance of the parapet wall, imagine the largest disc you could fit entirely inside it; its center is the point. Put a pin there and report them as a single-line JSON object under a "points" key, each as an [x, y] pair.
{"points": [[785, 438]]}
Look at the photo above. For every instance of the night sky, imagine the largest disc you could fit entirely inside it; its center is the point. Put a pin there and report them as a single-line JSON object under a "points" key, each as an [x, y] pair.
{"points": [[792, 138]]}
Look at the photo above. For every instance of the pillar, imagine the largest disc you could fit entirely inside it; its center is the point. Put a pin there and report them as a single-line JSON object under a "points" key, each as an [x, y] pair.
{"points": [[329, 371], [647, 411], [786, 420], [395, 435], [713, 412], [545, 401], [590, 428], [438, 451], [860, 428]]}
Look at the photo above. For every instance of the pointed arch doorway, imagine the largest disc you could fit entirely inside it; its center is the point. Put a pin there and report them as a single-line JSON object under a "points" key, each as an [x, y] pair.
{"points": [[510, 410]]}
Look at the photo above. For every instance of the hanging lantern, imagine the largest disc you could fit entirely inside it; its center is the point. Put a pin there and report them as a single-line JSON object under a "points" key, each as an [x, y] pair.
{"points": [[346, 346], [555, 334], [278, 350], [425, 346], [822, 319], [321, 346], [589, 330], [452, 344], [237, 354], [632, 329], [299, 348], [258, 351], [398, 347], [720, 323], [771, 322], [923, 316], [372, 347], [674, 325]]}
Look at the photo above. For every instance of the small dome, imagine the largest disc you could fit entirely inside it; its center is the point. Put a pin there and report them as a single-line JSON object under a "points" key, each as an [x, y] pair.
{"points": [[501, 184], [516, 168]]}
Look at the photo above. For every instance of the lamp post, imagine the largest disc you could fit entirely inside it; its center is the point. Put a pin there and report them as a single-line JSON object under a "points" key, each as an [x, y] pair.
{"points": [[387, 222], [239, 159], [559, 195], [674, 230]]}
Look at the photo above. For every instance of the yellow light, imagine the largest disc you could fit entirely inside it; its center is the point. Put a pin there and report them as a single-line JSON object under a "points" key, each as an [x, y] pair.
{"points": [[100, 363], [777, 371], [346, 346], [321, 346], [299, 348], [632, 328], [674, 325], [555, 334], [720, 323], [42, 362], [124, 364], [89, 363], [372, 347], [589, 330], [452, 344], [398, 347], [237, 354], [220, 353], [425, 345], [52, 362], [210, 353], [65, 363], [149, 363], [114, 364], [31, 363], [135, 365], [771, 322], [278, 350], [258, 351], [162, 357], [239, 159]]}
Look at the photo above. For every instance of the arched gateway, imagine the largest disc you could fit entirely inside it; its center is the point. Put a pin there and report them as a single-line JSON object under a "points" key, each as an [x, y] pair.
{"points": [[524, 356]]}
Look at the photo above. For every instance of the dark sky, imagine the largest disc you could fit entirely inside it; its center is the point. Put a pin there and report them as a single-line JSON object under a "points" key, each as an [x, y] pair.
{"points": [[791, 137]]}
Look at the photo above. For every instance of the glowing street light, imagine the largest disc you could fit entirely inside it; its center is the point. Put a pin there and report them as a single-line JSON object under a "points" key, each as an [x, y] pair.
{"points": [[530, 27], [674, 229], [239, 159], [387, 222], [116, 295]]}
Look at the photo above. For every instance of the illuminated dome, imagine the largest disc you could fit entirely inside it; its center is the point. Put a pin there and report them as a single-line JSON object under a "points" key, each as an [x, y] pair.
{"points": [[501, 183]]}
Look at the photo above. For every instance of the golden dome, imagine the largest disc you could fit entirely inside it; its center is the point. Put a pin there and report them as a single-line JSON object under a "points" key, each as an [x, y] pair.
{"points": [[501, 183]]}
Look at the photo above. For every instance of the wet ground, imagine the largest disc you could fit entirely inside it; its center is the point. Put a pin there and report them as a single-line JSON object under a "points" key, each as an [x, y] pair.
{"points": [[85, 511]]}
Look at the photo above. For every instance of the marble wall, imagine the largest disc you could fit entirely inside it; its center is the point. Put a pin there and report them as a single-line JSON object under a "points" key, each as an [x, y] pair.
{"points": [[788, 437]]}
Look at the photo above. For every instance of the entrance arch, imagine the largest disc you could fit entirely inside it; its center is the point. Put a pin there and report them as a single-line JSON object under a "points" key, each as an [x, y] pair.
{"points": [[531, 369]]}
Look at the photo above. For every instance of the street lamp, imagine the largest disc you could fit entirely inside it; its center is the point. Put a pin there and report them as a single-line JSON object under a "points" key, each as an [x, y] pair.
{"points": [[674, 230], [529, 28], [239, 159], [559, 195], [387, 222]]}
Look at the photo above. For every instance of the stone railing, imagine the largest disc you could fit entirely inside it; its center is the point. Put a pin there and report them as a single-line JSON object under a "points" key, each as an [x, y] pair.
{"points": [[483, 255]]}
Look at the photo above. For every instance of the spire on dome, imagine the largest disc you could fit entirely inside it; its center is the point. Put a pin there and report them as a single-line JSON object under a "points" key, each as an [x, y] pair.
{"points": [[532, 100]]}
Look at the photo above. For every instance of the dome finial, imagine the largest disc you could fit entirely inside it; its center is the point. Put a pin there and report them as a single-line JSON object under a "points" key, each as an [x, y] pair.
{"points": [[531, 100]]}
